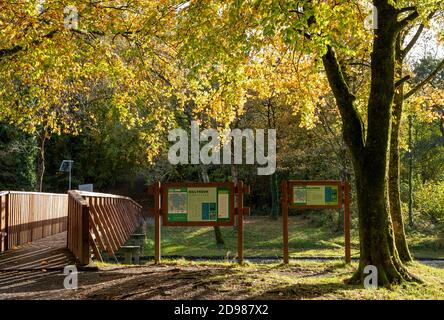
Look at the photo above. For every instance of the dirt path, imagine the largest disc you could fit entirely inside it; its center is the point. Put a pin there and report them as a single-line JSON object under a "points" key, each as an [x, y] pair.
{"points": [[151, 282]]}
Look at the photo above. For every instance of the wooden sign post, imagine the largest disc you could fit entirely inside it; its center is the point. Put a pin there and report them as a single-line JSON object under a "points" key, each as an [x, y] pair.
{"points": [[322, 194], [155, 190], [198, 204]]}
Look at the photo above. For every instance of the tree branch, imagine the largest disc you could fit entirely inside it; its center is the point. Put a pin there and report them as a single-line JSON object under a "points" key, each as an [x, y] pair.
{"points": [[7, 52], [415, 38], [411, 17], [10, 51], [438, 68], [412, 41], [401, 81], [352, 124], [406, 9]]}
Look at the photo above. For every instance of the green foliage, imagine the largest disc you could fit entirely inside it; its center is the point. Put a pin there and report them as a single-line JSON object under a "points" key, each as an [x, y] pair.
{"points": [[425, 66], [17, 159], [429, 200]]}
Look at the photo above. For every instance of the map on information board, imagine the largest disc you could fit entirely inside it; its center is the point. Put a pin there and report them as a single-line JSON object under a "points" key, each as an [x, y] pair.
{"points": [[315, 195], [198, 204]]}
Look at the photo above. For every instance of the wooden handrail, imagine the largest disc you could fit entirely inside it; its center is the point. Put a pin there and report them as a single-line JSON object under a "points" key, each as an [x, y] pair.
{"points": [[106, 195], [38, 193], [3, 193], [78, 197], [78, 235], [109, 220]]}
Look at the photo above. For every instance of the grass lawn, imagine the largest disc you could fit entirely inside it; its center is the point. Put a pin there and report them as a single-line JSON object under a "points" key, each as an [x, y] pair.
{"points": [[263, 237], [184, 279]]}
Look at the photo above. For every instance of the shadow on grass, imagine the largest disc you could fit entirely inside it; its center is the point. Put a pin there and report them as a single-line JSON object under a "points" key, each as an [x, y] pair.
{"points": [[304, 291], [174, 283], [177, 282]]}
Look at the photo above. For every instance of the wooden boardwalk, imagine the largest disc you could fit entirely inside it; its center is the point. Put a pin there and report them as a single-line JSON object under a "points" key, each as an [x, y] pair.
{"points": [[33, 265], [45, 254]]}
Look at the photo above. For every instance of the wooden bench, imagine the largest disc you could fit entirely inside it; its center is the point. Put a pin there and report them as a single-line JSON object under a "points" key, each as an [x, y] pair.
{"points": [[130, 252], [139, 239]]}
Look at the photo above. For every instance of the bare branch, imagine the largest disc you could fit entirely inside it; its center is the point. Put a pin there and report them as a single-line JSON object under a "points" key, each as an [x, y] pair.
{"points": [[438, 68], [411, 17], [406, 9], [415, 38], [401, 81]]}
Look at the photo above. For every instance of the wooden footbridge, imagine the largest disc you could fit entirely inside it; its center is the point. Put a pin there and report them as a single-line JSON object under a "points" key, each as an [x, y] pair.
{"points": [[47, 231]]}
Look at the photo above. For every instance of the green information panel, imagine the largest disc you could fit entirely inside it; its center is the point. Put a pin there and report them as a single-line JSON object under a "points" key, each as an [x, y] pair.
{"points": [[198, 204], [315, 195]]}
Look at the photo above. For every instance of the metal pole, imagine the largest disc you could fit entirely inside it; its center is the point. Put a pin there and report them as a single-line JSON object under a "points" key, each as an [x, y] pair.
{"points": [[70, 168]]}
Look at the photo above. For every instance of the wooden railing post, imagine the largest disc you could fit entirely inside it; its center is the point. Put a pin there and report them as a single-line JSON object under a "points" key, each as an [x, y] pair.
{"points": [[157, 230], [347, 190], [7, 221], [99, 223], [85, 258], [240, 221], [284, 208]]}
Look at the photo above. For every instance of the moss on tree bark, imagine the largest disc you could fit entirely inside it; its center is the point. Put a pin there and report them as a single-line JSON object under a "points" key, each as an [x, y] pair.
{"points": [[394, 174], [370, 152]]}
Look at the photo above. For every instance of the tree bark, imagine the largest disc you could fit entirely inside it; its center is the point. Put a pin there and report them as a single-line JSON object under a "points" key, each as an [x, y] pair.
{"points": [[370, 154], [273, 179], [410, 171], [274, 196], [394, 182], [41, 167], [394, 164], [345, 176]]}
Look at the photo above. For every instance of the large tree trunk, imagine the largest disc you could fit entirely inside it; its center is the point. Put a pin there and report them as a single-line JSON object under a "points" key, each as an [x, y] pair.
{"points": [[394, 166], [273, 178], [41, 167], [274, 196], [370, 153], [410, 171], [345, 176], [375, 225], [377, 243]]}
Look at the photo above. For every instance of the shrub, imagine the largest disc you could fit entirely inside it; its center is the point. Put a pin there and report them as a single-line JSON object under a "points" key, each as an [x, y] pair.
{"points": [[429, 200]]}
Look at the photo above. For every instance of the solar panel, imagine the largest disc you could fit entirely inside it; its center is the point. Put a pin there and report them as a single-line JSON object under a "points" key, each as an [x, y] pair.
{"points": [[66, 165]]}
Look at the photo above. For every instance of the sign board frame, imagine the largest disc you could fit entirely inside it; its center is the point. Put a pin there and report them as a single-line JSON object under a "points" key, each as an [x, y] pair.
{"points": [[175, 185], [160, 211], [88, 187], [287, 201], [295, 183]]}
